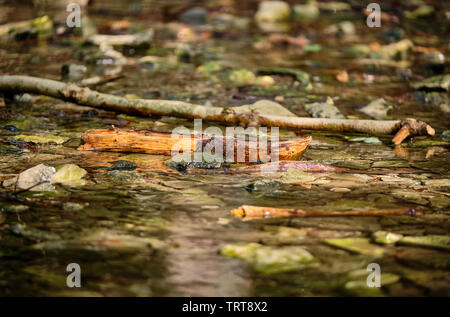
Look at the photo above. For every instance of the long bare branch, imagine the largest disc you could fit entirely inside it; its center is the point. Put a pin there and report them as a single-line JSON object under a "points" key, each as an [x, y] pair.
{"points": [[232, 115]]}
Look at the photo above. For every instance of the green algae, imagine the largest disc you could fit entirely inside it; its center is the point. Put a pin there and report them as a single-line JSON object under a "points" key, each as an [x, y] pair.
{"points": [[36, 139], [70, 175], [357, 245], [384, 237], [270, 260], [429, 241]]}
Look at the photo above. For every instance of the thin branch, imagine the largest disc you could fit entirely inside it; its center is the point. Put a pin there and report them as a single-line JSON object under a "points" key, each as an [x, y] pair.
{"points": [[236, 115], [246, 212]]}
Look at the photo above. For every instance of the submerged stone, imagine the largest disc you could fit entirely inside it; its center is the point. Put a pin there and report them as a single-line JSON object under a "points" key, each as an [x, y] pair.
{"points": [[73, 72], [263, 185], [9, 149], [434, 61], [69, 206], [342, 28], [123, 175], [182, 166], [438, 183], [389, 163], [385, 237], [296, 176], [357, 245], [123, 165], [397, 50], [140, 40], [267, 107], [41, 28], [358, 50], [281, 235], [105, 240], [354, 164], [446, 135], [358, 285], [313, 48], [264, 81], [368, 140], [33, 233], [306, 12], [210, 67], [11, 128], [324, 110], [36, 139], [335, 6], [340, 190], [270, 260], [410, 196], [421, 12], [435, 83], [393, 34], [242, 77], [105, 55], [329, 156], [24, 123], [195, 16], [158, 63], [225, 22], [44, 187], [273, 11], [431, 241], [377, 109], [10, 208], [424, 258], [440, 202], [301, 76], [31, 177], [439, 100], [70, 175], [191, 54]]}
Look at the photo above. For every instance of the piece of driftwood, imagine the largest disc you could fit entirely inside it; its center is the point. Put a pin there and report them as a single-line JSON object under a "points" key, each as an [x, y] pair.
{"points": [[231, 115], [246, 212], [163, 143]]}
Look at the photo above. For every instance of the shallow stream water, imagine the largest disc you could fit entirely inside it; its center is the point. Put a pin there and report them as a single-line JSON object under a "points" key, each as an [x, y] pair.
{"points": [[157, 232]]}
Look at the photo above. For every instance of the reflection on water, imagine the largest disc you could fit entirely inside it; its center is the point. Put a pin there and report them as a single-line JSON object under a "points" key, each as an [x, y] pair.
{"points": [[155, 232]]}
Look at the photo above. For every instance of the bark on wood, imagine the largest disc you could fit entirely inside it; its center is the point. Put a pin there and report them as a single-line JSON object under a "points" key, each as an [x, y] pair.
{"points": [[152, 142], [246, 212], [235, 115]]}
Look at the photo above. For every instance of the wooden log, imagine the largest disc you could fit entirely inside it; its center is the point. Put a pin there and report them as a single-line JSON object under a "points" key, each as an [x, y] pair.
{"points": [[246, 212], [162, 143]]}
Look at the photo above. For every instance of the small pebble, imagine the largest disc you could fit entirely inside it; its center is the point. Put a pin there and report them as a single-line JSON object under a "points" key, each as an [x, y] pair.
{"points": [[11, 128], [72, 206], [340, 190], [223, 221]]}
